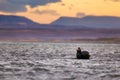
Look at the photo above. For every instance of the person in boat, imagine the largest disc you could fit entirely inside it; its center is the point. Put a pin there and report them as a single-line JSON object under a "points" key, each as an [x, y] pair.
{"points": [[79, 53], [79, 50]]}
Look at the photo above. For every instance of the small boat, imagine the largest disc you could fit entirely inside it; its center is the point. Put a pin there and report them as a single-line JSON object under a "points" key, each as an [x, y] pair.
{"points": [[83, 55]]}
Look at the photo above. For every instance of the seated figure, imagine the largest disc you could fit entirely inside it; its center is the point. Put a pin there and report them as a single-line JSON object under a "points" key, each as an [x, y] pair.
{"points": [[79, 54]]}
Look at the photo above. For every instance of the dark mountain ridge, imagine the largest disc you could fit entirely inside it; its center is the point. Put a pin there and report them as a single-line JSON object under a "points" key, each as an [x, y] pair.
{"points": [[19, 22], [90, 21], [12, 19], [16, 22]]}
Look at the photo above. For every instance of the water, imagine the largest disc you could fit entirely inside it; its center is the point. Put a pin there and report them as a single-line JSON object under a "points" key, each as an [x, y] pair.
{"points": [[57, 61]]}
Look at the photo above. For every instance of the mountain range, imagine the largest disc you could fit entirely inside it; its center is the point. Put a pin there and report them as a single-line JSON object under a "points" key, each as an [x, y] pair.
{"points": [[18, 27], [90, 21], [10, 21], [18, 22]]}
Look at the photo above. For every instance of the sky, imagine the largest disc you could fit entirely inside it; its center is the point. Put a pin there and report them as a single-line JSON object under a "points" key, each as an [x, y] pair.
{"points": [[47, 11]]}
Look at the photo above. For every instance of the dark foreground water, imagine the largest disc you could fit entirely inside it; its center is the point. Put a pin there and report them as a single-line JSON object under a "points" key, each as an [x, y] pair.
{"points": [[56, 61]]}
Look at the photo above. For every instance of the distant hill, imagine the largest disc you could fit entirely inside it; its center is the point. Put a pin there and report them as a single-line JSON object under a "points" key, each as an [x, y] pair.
{"points": [[19, 22], [14, 20], [90, 21]]}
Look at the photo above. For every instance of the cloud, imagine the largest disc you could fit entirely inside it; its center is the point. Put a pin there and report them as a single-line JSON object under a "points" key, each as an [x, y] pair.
{"points": [[32, 3], [113, 0], [19, 5], [8, 7], [52, 12], [80, 14], [62, 4]]}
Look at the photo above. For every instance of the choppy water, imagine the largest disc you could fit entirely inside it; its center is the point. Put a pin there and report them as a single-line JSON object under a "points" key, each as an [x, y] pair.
{"points": [[56, 61]]}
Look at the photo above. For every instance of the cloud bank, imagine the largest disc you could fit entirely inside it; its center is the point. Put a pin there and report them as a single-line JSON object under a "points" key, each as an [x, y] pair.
{"points": [[19, 5], [113, 0], [80, 14], [52, 12]]}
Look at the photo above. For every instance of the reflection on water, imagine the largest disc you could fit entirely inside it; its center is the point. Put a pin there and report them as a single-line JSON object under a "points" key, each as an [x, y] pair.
{"points": [[56, 61]]}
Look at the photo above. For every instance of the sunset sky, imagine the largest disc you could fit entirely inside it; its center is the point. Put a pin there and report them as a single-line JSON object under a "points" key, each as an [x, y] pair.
{"points": [[46, 11]]}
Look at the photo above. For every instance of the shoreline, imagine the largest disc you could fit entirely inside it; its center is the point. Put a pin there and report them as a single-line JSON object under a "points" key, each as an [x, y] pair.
{"points": [[64, 41]]}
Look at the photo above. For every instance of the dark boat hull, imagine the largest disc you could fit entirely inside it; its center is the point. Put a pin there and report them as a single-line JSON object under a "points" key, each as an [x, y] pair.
{"points": [[83, 55]]}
